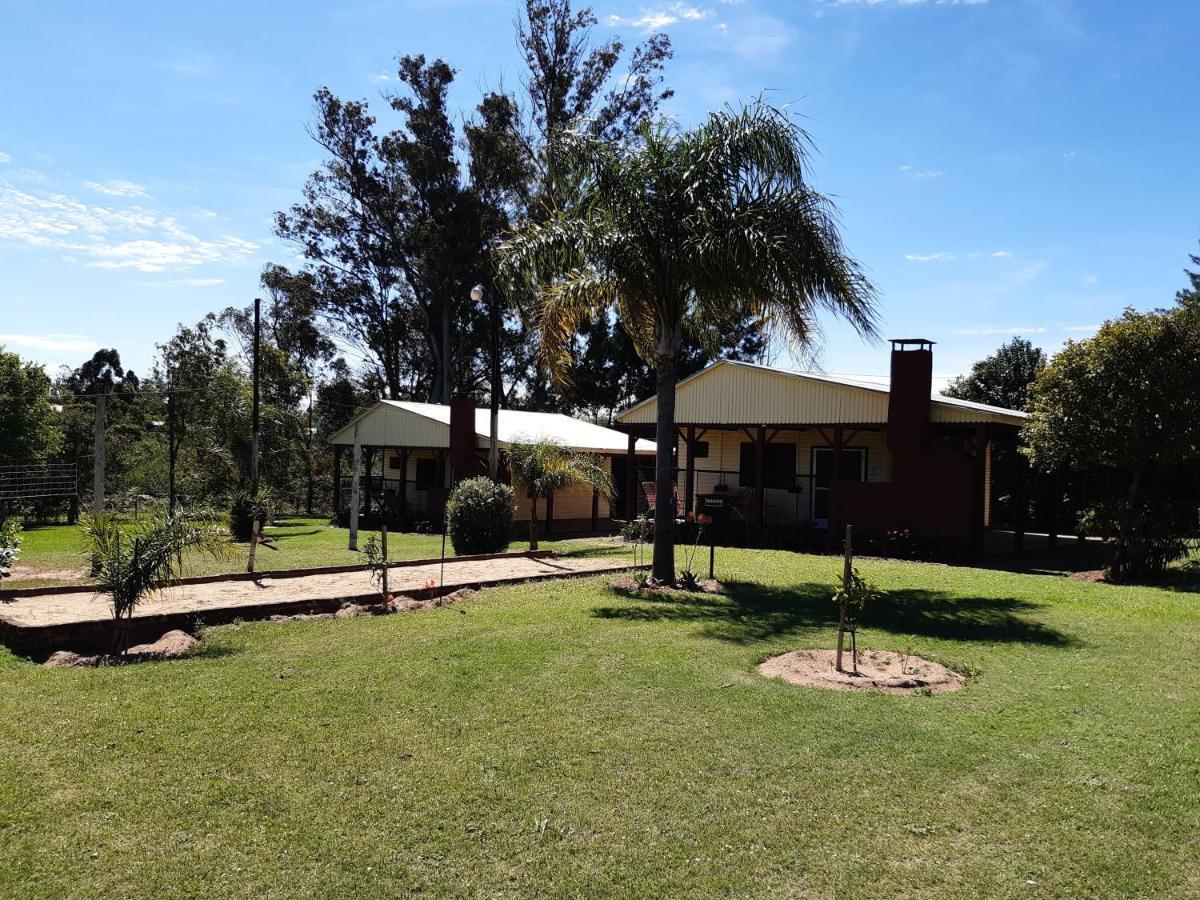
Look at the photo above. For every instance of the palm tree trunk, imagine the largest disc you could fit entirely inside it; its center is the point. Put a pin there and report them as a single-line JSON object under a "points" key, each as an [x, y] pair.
{"points": [[533, 522], [663, 567]]}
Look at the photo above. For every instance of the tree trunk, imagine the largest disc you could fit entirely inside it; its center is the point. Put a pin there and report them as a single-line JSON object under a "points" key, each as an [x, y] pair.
{"points": [[533, 545], [663, 568], [1122, 563]]}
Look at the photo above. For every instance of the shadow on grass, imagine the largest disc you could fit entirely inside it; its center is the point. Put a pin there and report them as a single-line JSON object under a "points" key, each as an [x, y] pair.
{"points": [[750, 612], [600, 550]]}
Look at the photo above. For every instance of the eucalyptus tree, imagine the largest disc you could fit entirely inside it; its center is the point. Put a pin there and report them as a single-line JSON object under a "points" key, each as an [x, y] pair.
{"points": [[685, 233]]}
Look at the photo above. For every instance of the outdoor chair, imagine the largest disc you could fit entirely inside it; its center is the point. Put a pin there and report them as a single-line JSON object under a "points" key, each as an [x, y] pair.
{"points": [[650, 489]]}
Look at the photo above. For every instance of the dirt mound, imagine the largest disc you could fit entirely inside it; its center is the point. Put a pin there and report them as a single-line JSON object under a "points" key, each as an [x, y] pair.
{"points": [[171, 645], [878, 670], [629, 584], [65, 659]]}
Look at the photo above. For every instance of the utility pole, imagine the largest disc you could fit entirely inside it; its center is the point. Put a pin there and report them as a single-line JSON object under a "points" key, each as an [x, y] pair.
{"points": [[354, 495], [254, 431], [171, 451], [98, 456], [308, 500]]}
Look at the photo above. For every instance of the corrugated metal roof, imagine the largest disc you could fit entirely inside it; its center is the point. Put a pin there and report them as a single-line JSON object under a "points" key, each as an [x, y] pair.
{"points": [[730, 392], [405, 423]]}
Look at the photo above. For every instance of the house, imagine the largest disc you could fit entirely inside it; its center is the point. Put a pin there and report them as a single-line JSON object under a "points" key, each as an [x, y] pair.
{"points": [[809, 450], [413, 452]]}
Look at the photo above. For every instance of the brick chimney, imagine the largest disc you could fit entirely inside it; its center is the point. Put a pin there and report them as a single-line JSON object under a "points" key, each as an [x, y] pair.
{"points": [[912, 382], [462, 438]]}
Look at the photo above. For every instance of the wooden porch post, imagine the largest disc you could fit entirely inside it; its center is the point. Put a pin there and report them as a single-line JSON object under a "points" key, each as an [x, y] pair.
{"points": [[631, 479], [1053, 509], [370, 453], [977, 489], [835, 478], [404, 485], [354, 495], [689, 486], [1019, 512], [760, 453], [337, 479], [549, 512], [595, 510]]}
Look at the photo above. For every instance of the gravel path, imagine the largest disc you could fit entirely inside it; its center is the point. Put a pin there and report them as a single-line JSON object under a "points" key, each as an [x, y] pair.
{"points": [[76, 605]]}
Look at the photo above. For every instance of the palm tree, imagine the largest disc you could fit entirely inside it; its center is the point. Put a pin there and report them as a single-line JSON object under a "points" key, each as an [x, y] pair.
{"points": [[684, 233], [132, 561], [544, 467]]}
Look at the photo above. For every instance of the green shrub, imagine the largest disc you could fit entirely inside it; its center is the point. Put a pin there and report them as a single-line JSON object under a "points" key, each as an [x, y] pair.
{"points": [[247, 507], [10, 545], [479, 516]]}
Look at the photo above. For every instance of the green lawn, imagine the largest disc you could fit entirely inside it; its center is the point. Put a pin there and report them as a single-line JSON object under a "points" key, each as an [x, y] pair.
{"points": [[59, 551], [560, 739]]}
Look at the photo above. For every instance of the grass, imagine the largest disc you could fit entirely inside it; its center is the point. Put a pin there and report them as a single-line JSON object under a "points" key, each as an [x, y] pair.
{"points": [[57, 554], [563, 739]]}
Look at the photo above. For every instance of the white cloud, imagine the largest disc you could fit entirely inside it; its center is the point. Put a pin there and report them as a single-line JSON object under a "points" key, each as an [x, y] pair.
{"points": [[64, 343], [929, 257], [1090, 279], [117, 187], [181, 282], [653, 19], [873, 3], [761, 37], [921, 173], [382, 76], [108, 237], [1022, 329], [4, 158]]}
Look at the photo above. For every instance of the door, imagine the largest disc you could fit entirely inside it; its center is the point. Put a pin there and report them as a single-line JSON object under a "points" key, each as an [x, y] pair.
{"points": [[854, 468]]}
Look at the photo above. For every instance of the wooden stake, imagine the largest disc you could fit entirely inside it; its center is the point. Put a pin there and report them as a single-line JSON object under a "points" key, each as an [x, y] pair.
{"points": [[253, 545], [383, 539], [847, 568]]}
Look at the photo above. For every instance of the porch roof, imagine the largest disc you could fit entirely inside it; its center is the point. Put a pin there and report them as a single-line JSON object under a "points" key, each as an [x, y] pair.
{"points": [[404, 423], [730, 392]]}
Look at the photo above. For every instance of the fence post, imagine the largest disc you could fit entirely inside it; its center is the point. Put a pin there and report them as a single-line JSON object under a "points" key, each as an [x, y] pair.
{"points": [[253, 545]]}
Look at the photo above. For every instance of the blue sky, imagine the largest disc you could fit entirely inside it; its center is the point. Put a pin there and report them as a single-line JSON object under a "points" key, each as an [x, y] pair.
{"points": [[1002, 166]]}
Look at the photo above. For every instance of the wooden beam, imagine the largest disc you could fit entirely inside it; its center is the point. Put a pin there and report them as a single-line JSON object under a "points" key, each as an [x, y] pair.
{"points": [[631, 479], [760, 453], [549, 512], [337, 480], [1019, 510], [689, 479], [404, 484], [595, 510]]}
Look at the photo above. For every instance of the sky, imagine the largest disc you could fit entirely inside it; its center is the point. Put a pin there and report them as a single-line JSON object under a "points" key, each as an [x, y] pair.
{"points": [[1002, 167]]}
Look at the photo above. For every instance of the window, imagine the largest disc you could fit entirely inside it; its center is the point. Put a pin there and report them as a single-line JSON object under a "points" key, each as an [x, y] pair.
{"points": [[426, 474], [779, 465], [701, 451], [394, 462]]}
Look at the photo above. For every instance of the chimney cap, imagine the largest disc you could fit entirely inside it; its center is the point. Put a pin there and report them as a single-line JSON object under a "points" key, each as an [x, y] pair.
{"points": [[903, 344]]}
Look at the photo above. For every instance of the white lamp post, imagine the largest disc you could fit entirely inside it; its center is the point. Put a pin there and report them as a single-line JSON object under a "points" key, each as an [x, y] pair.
{"points": [[477, 294]]}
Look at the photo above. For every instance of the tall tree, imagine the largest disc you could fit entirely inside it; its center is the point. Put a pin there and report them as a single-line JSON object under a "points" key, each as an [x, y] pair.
{"points": [[1190, 296], [27, 416], [1002, 379], [394, 232], [1124, 405], [571, 81], [685, 232]]}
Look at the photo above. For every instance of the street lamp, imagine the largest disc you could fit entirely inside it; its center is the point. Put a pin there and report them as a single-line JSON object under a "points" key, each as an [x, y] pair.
{"points": [[477, 294]]}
